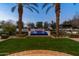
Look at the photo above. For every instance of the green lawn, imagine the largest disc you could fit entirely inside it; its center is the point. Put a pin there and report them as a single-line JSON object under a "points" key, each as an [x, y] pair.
{"points": [[33, 43]]}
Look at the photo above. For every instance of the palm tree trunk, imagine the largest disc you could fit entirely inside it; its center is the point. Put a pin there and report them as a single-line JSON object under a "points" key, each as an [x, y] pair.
{"points": [[57, 11], [57, 26], [20, 12]]}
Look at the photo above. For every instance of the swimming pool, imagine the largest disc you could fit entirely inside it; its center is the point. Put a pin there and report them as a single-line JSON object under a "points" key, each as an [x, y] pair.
{"points": [[39, 33]]}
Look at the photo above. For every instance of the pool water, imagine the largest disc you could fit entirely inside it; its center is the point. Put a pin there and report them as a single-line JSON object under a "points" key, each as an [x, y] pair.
{"points": [[39, 33]]}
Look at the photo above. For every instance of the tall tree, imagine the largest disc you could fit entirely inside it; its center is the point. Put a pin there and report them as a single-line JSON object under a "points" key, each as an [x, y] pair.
{"points": [[46, 25], [67, 24], [53, 25], [31, 25], [39, 24], [8, 27], [57, 12], [20, 12]]}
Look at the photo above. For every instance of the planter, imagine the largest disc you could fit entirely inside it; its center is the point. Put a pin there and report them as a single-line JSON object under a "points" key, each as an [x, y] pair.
{"points": [[20, 35], [4, 36]]}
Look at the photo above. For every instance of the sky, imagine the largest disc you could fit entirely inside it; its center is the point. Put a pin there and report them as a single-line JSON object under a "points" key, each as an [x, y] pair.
{"points": [[68, 10]]}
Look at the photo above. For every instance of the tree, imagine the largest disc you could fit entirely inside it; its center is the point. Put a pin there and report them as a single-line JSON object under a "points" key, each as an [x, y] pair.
{"points": [[39, 24], [31, 25], [75, 21], [20, 12], [8, 27], [57, 12], [46, 25], [67, 24], [53, 25]]}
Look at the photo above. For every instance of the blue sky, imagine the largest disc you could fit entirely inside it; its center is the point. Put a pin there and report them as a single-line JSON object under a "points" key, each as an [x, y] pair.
{"points": [[68, 10]]}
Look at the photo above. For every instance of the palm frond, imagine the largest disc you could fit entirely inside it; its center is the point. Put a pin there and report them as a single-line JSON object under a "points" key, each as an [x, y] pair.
{"points": [[34, 9], [25, 3], [13, 8], [74, 3], [29, 8], [45, 4], [35, 4], [48, 9], [51, 5]]}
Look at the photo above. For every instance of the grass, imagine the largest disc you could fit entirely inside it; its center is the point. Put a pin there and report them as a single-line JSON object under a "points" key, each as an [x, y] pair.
{"points": [[36, 43]]}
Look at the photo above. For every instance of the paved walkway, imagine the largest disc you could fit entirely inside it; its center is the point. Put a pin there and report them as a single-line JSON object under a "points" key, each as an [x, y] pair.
{"points": [[39, 53], [75, 39]]}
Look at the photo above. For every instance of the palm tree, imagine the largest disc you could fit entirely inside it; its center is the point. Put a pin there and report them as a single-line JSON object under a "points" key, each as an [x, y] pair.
{"points": [[20, 12], [57, 12]]}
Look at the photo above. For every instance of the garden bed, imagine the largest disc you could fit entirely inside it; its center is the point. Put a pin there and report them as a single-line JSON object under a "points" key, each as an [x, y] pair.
{"points": [[4, 36]]}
